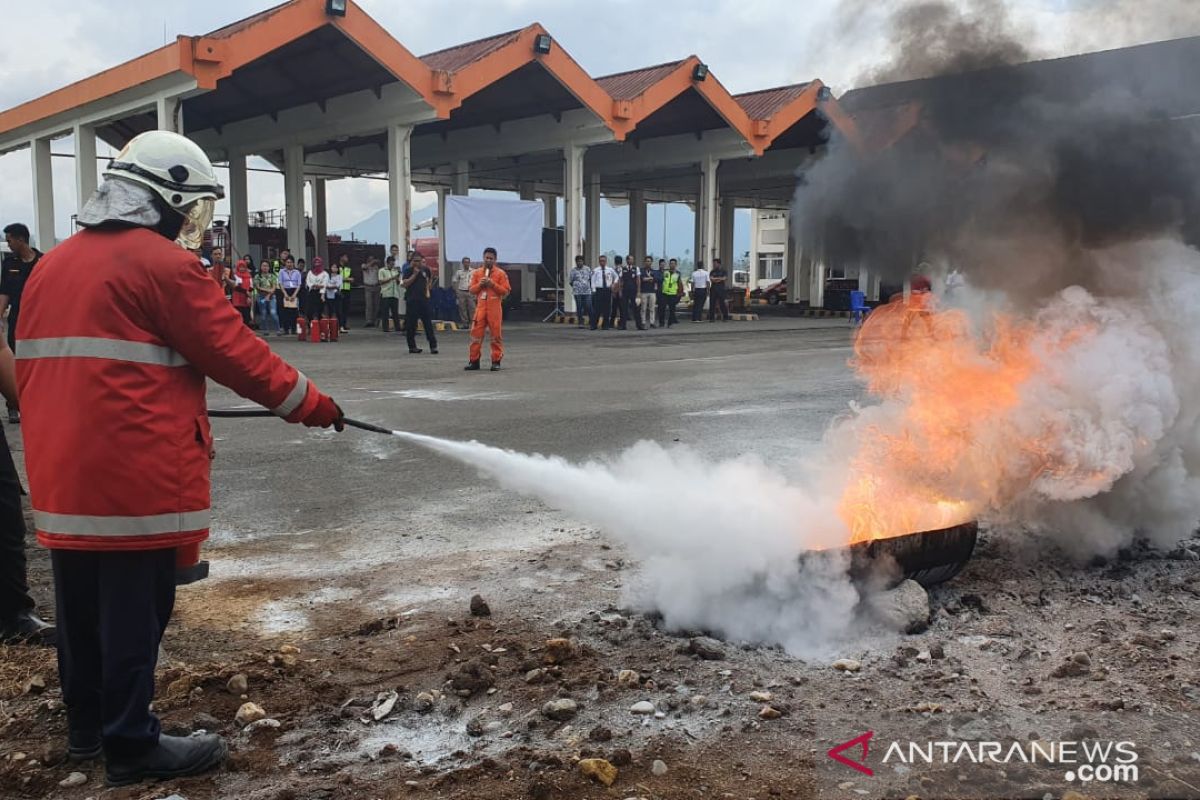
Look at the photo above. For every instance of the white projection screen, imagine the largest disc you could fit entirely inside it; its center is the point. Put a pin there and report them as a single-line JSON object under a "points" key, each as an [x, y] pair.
{"points": [[513, 227]]}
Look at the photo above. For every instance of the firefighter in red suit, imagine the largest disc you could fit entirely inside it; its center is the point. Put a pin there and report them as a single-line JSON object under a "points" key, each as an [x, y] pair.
{"points": [[112, 373], [490, 286]]}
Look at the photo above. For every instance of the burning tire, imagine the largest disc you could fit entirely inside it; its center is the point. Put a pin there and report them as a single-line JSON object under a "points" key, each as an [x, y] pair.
{"points": [[929, 557]]}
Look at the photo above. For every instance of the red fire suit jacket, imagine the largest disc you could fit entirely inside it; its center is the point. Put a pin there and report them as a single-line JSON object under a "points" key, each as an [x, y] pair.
{"points": [[118, 330]]}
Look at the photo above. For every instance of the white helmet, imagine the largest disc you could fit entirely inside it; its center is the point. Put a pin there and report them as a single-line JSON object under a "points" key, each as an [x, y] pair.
{"points": [[177, 170]]}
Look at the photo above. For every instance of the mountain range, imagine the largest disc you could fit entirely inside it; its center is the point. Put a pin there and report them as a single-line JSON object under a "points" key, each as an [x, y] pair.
{"points": [[614, 229]]}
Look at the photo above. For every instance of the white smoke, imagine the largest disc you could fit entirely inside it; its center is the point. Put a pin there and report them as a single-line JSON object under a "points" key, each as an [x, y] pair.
{"points": [[1125, 404], [719, 551]]}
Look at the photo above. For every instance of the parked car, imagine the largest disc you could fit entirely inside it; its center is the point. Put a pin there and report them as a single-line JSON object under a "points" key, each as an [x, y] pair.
{"points": [[773, 294]]}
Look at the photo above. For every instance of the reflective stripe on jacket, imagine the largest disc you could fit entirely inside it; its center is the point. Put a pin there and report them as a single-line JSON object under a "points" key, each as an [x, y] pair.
{"points": [[112, 381]]}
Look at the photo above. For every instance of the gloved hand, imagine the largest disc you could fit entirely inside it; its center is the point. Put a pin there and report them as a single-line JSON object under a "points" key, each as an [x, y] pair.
{"points": [[325, 414]]}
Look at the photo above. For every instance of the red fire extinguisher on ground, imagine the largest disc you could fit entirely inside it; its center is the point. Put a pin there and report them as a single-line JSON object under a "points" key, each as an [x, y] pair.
{"points": [[302, 327], [189, 568]]}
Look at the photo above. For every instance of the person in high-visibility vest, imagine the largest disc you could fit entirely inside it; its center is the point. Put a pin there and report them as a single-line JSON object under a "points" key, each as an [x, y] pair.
{"points": [[343, 271], [112, 379], [490, 286], [672, 283]]}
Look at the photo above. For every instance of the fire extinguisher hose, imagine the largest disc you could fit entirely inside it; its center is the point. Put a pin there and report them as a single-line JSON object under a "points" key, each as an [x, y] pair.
{"points": [[239, 413]]}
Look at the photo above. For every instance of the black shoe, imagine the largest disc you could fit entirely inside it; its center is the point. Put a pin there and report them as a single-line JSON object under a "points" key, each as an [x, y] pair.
{"points": [[495, 366], [641, 327], [14, 417], [415, 350], [173, 757], [84, 745], [474, 365], [28, 628], [433, 351]]}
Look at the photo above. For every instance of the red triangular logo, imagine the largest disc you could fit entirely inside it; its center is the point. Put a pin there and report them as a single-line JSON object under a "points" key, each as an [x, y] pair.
{"points": [[857, 741]]}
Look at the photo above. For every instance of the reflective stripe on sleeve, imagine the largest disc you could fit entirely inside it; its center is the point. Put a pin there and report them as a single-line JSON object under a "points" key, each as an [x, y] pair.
{"points": [[150, 525], [94, 347], [295, 397]]}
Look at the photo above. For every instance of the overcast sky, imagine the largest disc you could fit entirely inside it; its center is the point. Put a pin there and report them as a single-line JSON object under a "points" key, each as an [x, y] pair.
{"points": [[748, 44]]}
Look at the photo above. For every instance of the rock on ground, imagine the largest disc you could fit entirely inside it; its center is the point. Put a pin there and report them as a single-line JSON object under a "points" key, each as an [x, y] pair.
{"points": [[642, 707], [238, 684], [599, 770], [560, 710], [658, 768], [905, 608], [249, 712], [707, 648], [479, 607], [847, 665], [74, 779]]}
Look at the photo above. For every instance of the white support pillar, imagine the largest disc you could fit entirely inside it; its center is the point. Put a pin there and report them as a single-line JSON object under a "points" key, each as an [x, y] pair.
{"points": [[706, 211], [868, 282], [239, 206], [399, 139], [85, 164], [170, 114], [461, 183], [816, 279], [293, 200], [573, 211], [591, 228], [551, 211], [43, 195], [725, 240], [793, 262], [447, 271], [400, 185], [637, 225], [320, 218]]}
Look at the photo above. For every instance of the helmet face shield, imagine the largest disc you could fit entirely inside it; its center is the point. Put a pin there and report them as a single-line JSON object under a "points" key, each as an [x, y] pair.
{"points": [[196, 219]]}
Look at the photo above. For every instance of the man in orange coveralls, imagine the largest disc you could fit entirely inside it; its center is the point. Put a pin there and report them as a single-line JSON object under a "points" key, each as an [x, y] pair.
{"points": [[490, 286]]}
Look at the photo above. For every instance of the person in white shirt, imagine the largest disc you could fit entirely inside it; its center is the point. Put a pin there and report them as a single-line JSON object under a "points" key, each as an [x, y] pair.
{"points": [[462, 291], [699, 290], [604, 278], [316, 283]]}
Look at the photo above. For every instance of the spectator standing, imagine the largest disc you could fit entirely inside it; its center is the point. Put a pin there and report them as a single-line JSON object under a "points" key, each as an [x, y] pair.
{"points": [[630, 289], [389, 291], [371, 292], [719, 280], [614, 309], [604, 278], [394, 252], [417, 281], [344, 284], [18, 622], [333, 294], [265, 284], [291, 281], [700, 281], [661, 303], [317, 281], [672, 284], [581, 287], [462, 291], [243, 285], [648, 292], [14, 271]]}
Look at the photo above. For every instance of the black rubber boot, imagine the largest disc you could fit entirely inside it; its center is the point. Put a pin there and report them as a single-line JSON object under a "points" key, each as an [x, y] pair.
{"points": [[28, 628], [84, 745], [174, 757], [474, 365]]}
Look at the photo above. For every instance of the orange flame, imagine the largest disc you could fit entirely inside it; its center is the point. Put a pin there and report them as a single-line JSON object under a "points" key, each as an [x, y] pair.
{"points": [[940, 459]]}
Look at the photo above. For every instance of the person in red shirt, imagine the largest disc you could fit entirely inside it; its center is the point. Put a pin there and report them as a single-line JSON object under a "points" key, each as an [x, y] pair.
{"points": [[112, 377], [243, 284]]}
